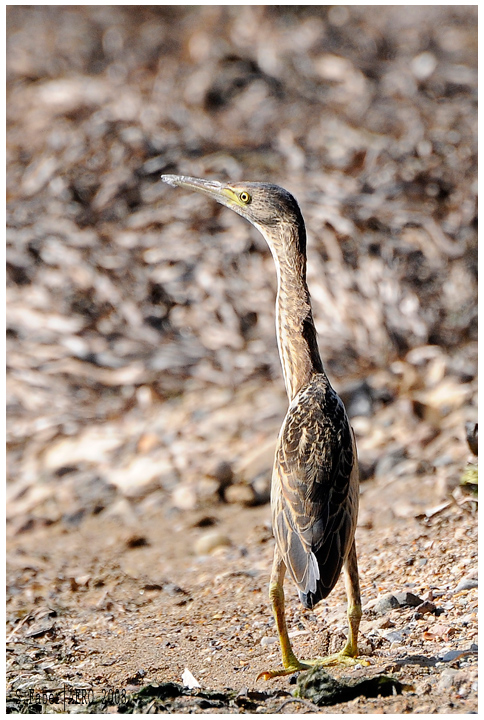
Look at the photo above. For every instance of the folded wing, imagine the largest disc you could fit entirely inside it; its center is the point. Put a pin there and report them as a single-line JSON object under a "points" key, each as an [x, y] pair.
{"points": [[315, 490]]}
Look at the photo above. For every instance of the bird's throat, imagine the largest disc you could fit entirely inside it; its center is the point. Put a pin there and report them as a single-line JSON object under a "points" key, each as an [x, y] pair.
{"points": [[296, 333], [297, 341]]}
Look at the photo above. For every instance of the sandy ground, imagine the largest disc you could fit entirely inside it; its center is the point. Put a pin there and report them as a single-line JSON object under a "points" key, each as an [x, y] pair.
{"points": [[106, 606]]}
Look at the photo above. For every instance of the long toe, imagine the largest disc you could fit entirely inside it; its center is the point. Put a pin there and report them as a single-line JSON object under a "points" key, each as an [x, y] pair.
{"points": [[340, 658], [296, 667]]}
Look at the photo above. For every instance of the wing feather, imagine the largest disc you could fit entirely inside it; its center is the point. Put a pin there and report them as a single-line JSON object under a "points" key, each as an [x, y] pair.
{"points": [[315, 490]]}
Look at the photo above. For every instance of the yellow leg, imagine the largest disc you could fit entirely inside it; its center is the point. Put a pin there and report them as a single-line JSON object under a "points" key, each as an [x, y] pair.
{"points": [[276, 595], [347, 656]]}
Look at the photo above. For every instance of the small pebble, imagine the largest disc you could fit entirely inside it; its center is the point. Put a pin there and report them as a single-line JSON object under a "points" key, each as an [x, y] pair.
{"points": [[394, 636], [394, 600], [268, 641], [426, 607], [184, 497], [447, 679], [451, 655], [466, 584], [210, 541]]}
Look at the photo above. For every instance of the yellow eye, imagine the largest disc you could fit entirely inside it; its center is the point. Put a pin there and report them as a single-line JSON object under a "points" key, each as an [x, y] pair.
{"points": [[245, 197]]}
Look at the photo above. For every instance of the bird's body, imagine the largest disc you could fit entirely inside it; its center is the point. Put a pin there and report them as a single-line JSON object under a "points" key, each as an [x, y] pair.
{"points": [[314, 494]]}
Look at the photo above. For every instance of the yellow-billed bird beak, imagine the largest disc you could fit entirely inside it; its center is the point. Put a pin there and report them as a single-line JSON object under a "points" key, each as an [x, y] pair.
{"points": [[216, 190]]}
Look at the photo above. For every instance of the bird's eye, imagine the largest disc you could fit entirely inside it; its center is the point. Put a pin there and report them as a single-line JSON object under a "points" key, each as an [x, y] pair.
{"points": [[245, 197]]}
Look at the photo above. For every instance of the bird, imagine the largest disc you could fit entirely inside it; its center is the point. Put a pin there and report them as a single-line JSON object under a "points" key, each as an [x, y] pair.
{"points": [[315, 481]]}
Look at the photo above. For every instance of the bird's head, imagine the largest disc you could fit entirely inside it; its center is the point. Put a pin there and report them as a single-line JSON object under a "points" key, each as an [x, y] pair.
{"points": [[264, 205]]}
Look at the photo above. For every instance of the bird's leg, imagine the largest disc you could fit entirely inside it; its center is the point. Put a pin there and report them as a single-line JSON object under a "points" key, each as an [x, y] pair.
{"points": [[276, 595], [349, 654], [352, 584]]}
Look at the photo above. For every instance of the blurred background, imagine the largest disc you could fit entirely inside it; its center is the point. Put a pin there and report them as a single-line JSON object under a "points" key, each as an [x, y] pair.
{"points": [[142, 368]]}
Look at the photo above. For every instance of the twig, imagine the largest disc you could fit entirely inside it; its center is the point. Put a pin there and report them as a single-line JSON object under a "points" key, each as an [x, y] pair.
{"points": [[19, 625], [308, 704]]}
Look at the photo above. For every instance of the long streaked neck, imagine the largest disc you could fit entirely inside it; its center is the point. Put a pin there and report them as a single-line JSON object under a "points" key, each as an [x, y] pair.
{"points": [[296, 334]]}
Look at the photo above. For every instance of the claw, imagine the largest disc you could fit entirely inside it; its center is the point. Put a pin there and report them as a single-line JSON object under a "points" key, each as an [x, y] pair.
{"points": [[269, 674]]}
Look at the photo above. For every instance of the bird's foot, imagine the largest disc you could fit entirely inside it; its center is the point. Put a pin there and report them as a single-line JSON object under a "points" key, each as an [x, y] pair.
{"points": [[293, 667], [344, 657], [341, 658]]}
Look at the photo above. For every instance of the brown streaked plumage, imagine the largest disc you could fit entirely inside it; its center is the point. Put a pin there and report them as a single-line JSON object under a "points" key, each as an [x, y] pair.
{"points": [[314, 495]]}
